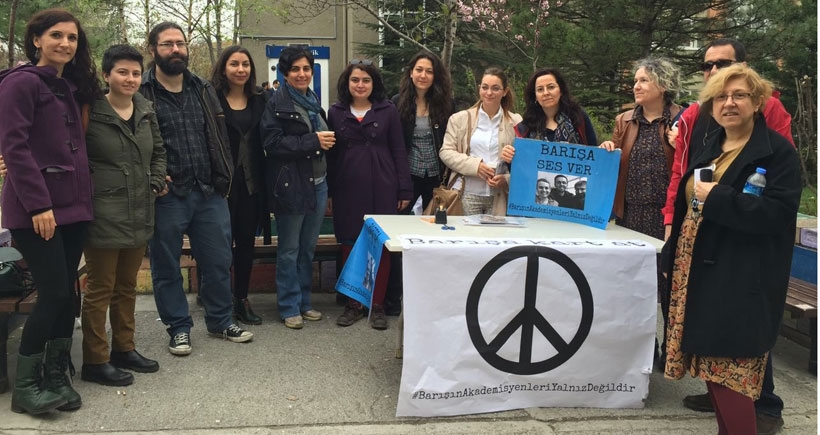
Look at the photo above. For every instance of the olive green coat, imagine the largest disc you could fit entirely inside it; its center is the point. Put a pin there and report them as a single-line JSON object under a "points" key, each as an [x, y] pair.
{"points": [[127, 169]]}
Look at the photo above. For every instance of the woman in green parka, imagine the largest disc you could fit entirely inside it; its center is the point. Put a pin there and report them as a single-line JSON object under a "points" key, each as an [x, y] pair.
{"points": [[127, 159]]}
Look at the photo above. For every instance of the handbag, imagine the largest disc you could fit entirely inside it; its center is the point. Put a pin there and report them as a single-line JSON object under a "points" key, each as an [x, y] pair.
{"points": [[444, 196], [447, 198], [13, 280]]}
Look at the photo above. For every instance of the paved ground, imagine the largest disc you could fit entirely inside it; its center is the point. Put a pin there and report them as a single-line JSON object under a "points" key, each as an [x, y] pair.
{"points": [[328, 380]]}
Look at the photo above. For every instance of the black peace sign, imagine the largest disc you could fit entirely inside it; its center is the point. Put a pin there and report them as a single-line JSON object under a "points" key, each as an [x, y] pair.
{"points": [[529, 318]]}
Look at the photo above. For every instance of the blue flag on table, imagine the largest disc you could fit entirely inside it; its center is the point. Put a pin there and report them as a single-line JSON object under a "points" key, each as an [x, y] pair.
{"points": [[563, 181], [358, 277]]}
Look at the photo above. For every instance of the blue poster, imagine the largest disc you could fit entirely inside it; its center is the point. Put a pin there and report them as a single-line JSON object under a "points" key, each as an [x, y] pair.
{"points": [[562, 181], [358, 277]]}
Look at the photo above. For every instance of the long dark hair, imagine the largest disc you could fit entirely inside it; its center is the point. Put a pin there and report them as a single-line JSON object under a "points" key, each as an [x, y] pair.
{"points": [[343, 87], [81, 70], [218, 78], [534, 117], [439, 97]]}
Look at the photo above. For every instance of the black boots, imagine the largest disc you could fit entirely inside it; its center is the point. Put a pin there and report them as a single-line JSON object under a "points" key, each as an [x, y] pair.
{"points": [[29, 395], [57, 363], [243, 312]]}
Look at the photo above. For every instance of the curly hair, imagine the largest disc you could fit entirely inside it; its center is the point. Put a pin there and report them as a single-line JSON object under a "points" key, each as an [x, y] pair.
{"points": [[439, 97], [534, 117], [663, 73], [218, 78], [343, 87], [81, 70]]}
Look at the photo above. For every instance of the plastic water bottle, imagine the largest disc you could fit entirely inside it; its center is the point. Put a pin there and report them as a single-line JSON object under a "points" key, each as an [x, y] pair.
{"points": [[756, 182]]}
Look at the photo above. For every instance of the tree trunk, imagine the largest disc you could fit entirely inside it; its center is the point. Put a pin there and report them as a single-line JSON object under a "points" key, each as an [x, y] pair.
{"points": [[12, 19], [450, 27], [121, 22]]}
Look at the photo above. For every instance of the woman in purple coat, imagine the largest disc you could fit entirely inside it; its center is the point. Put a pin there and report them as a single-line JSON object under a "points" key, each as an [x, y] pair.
{"points": [[46, 196], [367, 170]]}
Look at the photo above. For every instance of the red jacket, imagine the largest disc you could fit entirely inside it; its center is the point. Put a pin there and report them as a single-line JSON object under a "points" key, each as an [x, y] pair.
{"points": [[776, 118]]}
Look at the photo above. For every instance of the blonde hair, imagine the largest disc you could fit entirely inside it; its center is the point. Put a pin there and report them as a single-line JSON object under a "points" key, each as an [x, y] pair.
{"points": [[760, 88]]}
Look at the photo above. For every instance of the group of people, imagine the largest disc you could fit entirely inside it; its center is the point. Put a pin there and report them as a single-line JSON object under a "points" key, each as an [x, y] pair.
{"points": [[170, 153]]}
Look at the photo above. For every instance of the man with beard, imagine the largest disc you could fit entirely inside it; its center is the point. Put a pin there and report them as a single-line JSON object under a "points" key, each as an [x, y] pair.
{"points": [[560, 193], [580, 195], [199, 172]]}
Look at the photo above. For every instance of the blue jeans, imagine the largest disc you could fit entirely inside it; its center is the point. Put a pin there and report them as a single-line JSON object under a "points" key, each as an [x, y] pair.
{"points": [[298, 234], [207, 222], [769, 403]]}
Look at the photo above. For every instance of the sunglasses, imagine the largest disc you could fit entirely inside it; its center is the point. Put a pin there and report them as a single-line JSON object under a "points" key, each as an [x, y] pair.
{"points": [[722, 63], [365, 62]]}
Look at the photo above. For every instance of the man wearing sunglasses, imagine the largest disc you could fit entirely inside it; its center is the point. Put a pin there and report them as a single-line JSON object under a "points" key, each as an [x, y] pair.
{"points": [[692, 130]]}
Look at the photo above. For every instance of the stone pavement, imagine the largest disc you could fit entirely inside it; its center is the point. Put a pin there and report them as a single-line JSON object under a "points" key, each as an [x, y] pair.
{"points": [[325, 379]]}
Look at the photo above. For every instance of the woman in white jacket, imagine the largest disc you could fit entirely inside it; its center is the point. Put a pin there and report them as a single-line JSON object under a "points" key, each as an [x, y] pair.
{"points": [[473, 142]]}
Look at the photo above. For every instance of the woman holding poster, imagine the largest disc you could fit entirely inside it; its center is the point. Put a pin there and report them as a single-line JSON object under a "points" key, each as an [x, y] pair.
{"points": [[730, 250], [552, 114], [473, 143], [646, 154]]}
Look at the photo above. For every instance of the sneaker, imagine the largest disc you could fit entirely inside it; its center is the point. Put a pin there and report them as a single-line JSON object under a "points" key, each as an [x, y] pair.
{"points": [[699, 402], [294, 322], [353, 312], [768, 424], [312, 315], [377, 319], [234, 333], [180, 344]]}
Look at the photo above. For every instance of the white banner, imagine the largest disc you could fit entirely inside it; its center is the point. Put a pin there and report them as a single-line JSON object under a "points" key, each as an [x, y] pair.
{"points": [[498, 324]]}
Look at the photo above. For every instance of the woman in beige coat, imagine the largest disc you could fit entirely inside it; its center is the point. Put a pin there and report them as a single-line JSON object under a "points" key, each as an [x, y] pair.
{"points": [[473, 142]]}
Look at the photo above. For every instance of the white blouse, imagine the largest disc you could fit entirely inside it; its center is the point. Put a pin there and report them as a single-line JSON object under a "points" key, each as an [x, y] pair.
{"points": [[484, 145]]}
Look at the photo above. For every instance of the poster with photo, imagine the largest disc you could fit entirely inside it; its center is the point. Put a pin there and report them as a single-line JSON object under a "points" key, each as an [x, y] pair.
{"points": [[562, 181]]}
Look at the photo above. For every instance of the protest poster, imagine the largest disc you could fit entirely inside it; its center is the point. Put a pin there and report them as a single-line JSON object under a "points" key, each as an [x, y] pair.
{"points": [[563, 181], [358, 275], [494, 324]]}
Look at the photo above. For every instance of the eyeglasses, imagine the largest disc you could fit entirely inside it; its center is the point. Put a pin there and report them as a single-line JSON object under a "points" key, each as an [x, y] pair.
{"points": [[494, 89], [170, 45], [736, 97], [365, 62], [720, 63]]}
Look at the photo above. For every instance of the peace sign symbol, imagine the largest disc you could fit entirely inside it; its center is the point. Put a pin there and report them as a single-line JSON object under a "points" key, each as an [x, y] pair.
{"points": [[529, 318]]}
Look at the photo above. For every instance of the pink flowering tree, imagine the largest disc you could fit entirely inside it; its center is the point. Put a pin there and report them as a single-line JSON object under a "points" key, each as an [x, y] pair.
{"points": [[519, 22]]}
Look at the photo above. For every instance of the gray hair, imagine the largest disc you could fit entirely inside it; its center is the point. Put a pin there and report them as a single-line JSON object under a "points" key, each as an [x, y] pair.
{"points": [[664, 73]]}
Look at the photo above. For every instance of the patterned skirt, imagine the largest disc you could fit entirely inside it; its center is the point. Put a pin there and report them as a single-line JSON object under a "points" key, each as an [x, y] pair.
{"points": [[744, 375]]}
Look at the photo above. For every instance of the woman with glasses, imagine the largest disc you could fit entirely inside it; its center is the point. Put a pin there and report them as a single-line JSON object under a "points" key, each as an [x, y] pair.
{"points": [[46, 196], [367, 170], [296, 137], [473, 143], [729, 253]]}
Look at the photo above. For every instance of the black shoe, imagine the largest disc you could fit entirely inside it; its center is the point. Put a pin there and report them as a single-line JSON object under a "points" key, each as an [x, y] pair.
{"points": [[700, 403], [768, 425], [180, 344], [133, 361], [243, 312], [377, 319], [106, 374]]}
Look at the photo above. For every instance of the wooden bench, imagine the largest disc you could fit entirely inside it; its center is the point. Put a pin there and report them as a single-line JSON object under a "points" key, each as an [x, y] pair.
{"points": [[10, 305], [327, 249], [801, 303]]}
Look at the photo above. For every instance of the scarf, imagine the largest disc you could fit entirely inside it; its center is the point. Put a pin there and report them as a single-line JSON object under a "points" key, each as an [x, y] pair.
{"points": [[565, 132], [310, 102]]}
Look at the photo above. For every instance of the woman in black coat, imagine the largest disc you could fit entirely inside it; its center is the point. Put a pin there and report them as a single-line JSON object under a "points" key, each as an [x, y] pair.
{"points": [[234, 78], [731, 264]]}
